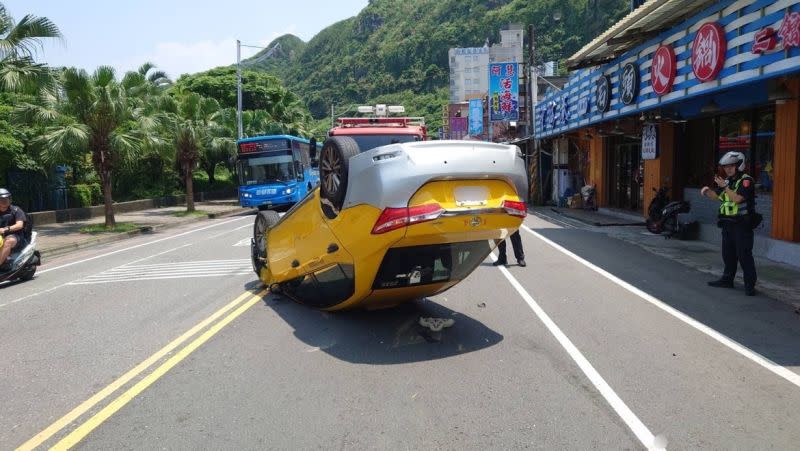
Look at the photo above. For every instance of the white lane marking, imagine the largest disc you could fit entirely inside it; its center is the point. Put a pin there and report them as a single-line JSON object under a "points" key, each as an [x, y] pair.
{"points": [[65, 284], [207, 268], [243, 243], [140, 245], [744, 351], [639, 429]]}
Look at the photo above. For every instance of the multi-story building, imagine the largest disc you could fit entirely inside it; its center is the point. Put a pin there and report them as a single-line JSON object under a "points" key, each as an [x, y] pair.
{"points": [[469, 67]]}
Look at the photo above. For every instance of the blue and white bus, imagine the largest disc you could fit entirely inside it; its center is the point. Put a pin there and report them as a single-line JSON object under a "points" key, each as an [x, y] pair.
{"points": [[276, 170]]}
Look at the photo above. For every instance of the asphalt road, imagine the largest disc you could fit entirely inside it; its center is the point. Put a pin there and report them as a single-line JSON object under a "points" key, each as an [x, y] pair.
{"points": [[166, 341]]}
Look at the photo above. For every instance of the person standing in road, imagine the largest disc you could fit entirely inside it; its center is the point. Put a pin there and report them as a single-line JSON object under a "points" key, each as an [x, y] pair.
{"points": [[737, 218], [516, 243], [12, 223]]}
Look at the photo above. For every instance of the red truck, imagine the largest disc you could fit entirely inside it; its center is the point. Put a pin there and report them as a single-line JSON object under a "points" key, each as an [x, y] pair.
{"points": [[371, 132]]}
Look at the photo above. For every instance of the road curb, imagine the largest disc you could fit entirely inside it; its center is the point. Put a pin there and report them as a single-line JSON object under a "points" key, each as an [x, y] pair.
{"points": [[57, 251]]}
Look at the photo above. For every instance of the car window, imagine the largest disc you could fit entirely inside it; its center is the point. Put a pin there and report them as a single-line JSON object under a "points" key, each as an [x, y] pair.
{"points": [[367, 142], [324, 288], [421, 265]]}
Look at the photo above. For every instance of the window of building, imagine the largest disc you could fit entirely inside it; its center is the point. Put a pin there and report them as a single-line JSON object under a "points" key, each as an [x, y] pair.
{"points": [[764, 149]]}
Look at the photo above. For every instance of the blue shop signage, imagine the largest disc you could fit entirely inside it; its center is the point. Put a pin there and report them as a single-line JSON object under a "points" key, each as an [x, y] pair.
{"points": [[622, 87]]}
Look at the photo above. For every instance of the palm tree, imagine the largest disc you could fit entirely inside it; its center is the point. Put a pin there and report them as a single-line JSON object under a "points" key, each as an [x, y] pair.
{"points": [[18, 44], [146, 81], [191, 120], [90, 112]]}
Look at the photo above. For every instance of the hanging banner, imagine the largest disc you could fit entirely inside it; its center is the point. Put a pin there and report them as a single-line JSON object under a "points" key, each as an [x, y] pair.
{"points": [[503, 92], [650, 142], [476, 117], [458, 127]]}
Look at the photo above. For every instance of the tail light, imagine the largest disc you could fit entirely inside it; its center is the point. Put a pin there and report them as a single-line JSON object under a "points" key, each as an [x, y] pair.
{"points": [[515, 208], [395, 218]]}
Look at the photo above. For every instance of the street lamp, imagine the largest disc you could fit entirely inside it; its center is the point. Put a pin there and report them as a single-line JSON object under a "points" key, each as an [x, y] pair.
{"points": [[239, 46]]}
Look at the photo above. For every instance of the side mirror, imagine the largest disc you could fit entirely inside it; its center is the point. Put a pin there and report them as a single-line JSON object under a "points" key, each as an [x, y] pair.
{"points": [[312, 151]]}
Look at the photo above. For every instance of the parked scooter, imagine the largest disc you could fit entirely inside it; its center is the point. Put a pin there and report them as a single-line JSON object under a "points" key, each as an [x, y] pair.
{"points": [[23, 262], [662, 215]]}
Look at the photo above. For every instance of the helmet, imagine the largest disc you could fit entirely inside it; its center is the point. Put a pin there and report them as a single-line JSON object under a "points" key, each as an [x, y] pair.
{"points": [[5, 194], [733, 158]]}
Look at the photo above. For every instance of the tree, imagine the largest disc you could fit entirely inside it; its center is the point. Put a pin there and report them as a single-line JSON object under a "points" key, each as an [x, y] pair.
{"points": [[94, 113], [192, 120], [18, 43]]}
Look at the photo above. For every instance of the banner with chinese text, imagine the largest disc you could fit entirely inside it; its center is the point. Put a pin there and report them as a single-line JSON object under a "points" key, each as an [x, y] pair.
{"points": [[476, 117], [503, 92]]}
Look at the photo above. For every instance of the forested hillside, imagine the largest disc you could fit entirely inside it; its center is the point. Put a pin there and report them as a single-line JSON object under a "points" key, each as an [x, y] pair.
{"points": [[397, 51]]}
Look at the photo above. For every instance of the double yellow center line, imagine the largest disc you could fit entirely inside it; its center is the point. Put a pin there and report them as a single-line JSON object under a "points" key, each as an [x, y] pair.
{"points": [[238, 305]]}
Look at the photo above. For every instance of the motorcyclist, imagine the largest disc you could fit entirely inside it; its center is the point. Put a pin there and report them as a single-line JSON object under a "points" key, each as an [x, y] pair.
{"points": [[12, 223], [736, 192]]}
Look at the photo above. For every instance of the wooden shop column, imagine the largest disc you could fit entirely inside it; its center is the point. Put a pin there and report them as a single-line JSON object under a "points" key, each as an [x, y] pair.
{"points": [[659, 172], [597, 168], [786, 168]]}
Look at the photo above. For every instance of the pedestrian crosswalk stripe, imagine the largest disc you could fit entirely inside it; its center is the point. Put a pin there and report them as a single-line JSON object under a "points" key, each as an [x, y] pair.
{"points": [[174, 270]]}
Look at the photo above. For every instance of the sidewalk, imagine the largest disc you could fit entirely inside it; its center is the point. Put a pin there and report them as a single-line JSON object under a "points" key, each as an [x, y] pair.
{"points": [[61, 238], [776, 280]]}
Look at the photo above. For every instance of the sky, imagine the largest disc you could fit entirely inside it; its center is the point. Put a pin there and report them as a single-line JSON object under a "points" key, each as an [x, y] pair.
{"points": [[178, 36]]}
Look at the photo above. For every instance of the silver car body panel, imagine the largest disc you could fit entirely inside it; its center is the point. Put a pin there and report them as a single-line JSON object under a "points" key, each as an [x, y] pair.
{"points": [[388, 176]]}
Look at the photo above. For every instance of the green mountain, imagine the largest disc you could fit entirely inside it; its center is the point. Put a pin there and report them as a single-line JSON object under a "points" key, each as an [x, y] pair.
{"points": [[397, 51]]}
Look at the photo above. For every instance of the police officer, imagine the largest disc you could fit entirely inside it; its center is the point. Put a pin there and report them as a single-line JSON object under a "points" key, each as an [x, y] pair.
{"points": [[736, 194], [516, 243], [12, 223]]}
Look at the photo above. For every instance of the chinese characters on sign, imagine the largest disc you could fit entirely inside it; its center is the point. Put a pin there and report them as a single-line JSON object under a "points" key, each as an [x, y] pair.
{"points": [[603, 97], [629, 83], [765, 40], [708, 51], [790, 30], [662, 72], [503, 92], [476, 117], [650, 142]]}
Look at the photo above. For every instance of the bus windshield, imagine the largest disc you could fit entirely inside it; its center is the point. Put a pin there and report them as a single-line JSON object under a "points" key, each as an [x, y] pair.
{"points": [[259, 170]]}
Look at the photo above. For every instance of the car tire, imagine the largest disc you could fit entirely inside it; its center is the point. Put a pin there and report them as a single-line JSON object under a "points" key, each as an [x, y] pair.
{"points": [[265, 220], [334, 169], [28, 273]]}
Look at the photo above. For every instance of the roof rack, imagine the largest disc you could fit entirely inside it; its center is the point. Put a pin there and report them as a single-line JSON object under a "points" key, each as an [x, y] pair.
{"points": [[381, 121]]}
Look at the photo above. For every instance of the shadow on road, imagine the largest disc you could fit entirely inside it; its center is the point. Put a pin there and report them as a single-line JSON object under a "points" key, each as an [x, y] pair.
{"points": [[384, 337], [764, 325]]}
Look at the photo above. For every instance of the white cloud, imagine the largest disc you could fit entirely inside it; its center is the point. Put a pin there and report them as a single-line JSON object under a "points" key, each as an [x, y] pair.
{"points": [[177, 58]]}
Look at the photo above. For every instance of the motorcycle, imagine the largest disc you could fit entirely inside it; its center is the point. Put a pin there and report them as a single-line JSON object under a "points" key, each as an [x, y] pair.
{"points": [[23, 262], [662, 215]]}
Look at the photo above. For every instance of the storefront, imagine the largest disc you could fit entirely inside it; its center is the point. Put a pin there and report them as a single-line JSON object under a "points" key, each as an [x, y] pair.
{"points": [[658, 98]]}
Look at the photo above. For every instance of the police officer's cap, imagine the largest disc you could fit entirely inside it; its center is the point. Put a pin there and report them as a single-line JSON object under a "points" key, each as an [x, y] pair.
{"points": [[733, 158]]}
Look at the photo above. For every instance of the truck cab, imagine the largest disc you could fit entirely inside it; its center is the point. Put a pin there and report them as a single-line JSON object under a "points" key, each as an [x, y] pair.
{"points": [[381, 129]]}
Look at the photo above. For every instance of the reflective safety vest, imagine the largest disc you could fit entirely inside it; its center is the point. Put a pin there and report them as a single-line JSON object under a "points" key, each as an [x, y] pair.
{"points": [[729, 207]]}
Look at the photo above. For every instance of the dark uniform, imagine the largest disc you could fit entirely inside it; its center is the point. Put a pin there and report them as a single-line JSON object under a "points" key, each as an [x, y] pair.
{"points": [[10, 217], [516, 243], [737, 231]]}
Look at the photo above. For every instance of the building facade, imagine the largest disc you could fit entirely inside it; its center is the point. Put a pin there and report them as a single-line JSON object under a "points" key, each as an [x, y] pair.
{"points": [[657, 99], [469, 67]]}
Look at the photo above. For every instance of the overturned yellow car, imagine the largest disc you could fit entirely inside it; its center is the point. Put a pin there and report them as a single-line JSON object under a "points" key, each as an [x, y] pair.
{"points": [[391, 224]]}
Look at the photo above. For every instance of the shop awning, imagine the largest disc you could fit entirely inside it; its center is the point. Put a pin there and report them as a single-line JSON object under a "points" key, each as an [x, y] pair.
{"points": [[641, 24]]}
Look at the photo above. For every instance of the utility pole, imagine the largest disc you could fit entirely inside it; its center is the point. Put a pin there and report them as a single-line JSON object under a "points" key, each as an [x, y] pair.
{"points": [[239, 87], [533, 94]]}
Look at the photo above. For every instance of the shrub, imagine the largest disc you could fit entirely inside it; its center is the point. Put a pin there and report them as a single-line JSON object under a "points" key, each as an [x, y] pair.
{"points": [[80, 196], [97, 193]]}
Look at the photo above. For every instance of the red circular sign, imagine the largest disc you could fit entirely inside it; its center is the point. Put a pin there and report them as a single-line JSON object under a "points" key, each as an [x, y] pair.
{"points": [[708, 51], [662, 71]]}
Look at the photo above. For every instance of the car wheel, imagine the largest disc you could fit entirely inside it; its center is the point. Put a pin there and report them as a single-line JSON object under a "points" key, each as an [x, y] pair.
{"points": [[334, 169], [265, 220], [28, 273]]}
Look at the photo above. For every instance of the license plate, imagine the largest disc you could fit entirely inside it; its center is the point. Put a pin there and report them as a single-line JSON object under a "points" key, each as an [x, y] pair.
{"points": [[266, 191], [471, 196]]}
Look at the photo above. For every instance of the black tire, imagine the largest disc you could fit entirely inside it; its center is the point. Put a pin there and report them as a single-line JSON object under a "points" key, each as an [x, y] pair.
{"points": [[28, 273], [334, 169], [653, 226], [265, 220]]}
